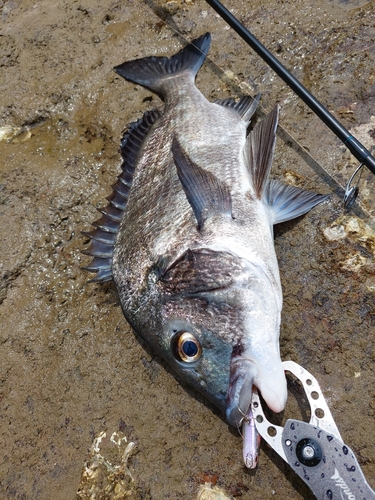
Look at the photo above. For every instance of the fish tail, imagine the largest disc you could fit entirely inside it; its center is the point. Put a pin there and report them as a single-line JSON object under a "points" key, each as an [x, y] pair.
{"points": [[154, 72]]}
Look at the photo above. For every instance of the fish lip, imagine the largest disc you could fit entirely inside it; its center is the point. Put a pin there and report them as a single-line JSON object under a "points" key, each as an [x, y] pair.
{"points": [[244, 374], [240, 390]]}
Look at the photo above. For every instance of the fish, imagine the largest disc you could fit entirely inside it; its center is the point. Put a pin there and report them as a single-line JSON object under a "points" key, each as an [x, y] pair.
{"points": [[187, 236]]}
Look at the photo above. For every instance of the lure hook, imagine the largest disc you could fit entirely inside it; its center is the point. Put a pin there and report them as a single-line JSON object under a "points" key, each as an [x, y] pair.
{"points": [[351, 192], [251, 439]]}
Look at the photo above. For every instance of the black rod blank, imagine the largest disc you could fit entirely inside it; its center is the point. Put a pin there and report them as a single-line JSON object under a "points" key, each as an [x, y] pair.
{"points": [[354, 146]]}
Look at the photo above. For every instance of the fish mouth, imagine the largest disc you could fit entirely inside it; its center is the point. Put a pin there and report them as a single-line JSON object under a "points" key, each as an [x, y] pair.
{"points": [[244, 374]]}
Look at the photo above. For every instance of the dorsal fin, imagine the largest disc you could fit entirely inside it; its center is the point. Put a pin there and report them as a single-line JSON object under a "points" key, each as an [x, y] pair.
{"points": [[245, 107], [104, 236], [155, 72], [259, 149], [205, 193]]}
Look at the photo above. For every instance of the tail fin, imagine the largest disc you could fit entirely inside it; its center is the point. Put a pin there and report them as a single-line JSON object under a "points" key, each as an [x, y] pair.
{"points": [[152, 72]]}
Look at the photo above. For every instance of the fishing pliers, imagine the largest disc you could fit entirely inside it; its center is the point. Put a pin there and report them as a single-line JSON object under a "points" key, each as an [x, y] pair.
{"points": [[314, 450]]}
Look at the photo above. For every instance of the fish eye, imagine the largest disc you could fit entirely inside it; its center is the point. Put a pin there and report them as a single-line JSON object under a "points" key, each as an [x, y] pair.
{"points": [[186, 347]]}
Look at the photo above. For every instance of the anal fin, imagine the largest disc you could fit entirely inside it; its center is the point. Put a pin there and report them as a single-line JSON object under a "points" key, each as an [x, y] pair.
{"points": [[259, 150], [206, 194], [245, 107]]}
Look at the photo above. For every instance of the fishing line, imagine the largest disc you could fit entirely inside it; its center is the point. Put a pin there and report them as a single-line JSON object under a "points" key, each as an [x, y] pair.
{"points": [[355, 147], [348, 192]]}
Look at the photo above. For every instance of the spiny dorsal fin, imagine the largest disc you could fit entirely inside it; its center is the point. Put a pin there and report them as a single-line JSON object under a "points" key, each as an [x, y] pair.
{"points": [[205, 193], [287, 202], [245, 107], [153, 72], [104, 236], [259, 149]]}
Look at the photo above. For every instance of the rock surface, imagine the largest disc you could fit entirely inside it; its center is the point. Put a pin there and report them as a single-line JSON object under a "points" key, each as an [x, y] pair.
{"points": [[71, 369]]}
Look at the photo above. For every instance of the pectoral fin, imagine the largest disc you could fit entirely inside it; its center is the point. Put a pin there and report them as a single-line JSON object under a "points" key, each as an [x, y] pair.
{"points": [[205, 193]]}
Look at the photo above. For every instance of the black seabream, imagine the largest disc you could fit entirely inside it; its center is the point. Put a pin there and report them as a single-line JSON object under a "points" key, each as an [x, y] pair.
{"points": [[187, 236]]}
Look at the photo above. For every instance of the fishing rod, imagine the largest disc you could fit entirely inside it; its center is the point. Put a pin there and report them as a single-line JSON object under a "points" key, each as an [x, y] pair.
{"points": [[355, 147]]}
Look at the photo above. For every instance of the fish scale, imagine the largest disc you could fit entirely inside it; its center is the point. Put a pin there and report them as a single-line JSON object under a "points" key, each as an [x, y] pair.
{"points": [[207, 121], [217, 153]]}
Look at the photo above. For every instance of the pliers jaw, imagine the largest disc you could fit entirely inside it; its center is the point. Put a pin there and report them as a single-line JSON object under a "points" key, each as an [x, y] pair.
{"points": [[320, 413]]}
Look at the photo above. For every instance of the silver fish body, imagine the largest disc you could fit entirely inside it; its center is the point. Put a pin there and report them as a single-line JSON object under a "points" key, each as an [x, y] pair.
{"points": [[192, 254]]}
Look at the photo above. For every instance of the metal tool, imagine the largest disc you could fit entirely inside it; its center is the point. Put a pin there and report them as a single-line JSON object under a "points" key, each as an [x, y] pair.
{"points": [[315, 450]]}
